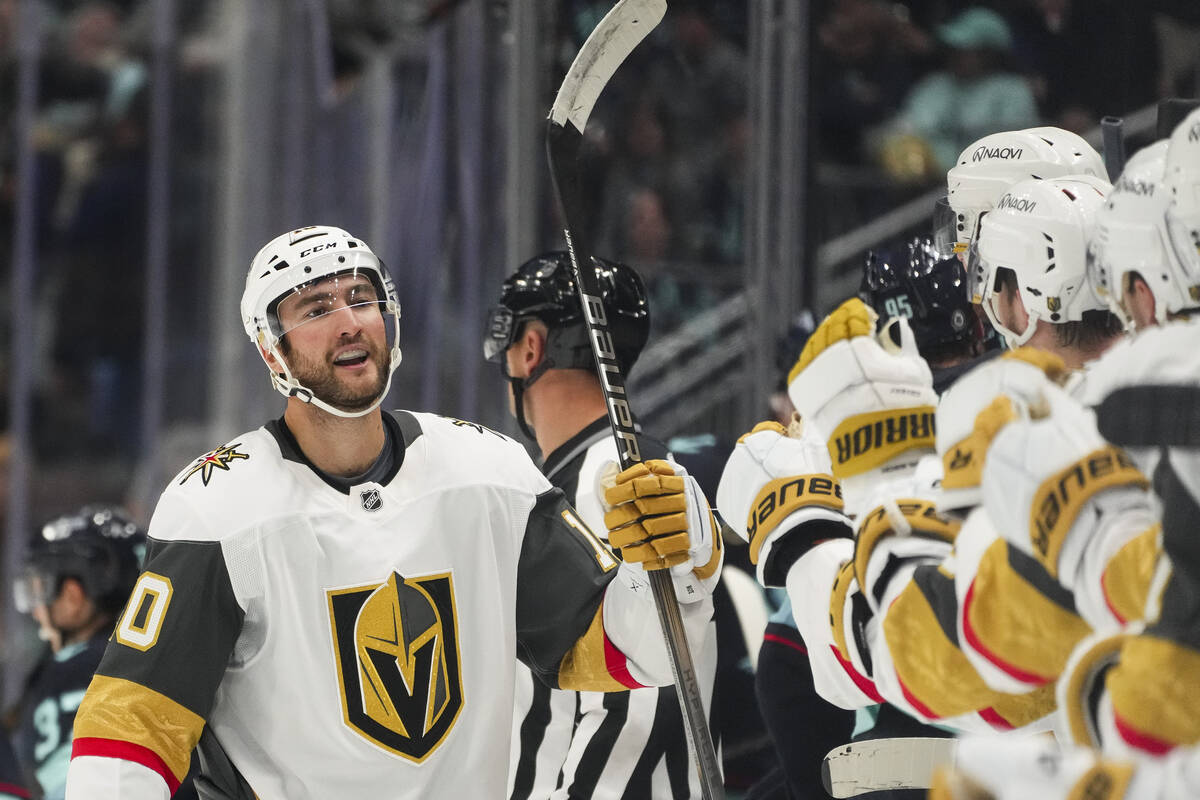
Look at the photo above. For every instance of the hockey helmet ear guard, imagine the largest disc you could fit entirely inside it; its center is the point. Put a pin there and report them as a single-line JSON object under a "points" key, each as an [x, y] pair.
{"points": [[295, 261]]}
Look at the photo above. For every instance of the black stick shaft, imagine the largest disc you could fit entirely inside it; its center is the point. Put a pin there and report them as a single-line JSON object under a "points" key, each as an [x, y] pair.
{"points": [[563, 143]]}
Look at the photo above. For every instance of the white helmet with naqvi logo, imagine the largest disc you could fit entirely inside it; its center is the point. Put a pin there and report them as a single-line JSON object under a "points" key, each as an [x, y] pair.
{"points": [[1131, 236], [1040, 231], [1181, 178], [990, 166], [297, 259]]}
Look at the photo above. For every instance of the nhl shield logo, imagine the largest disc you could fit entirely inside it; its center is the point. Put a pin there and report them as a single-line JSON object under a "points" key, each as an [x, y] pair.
{"points": [[371, 499], [397, 653]]}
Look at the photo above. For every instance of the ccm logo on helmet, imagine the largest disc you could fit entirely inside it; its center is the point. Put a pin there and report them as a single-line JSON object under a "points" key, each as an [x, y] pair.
{"points": [[982, 153], [317, 248], [1194, 133], [1017, 203]]}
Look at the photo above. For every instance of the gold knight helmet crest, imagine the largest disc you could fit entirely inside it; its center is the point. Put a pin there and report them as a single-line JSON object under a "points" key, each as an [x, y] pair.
{"points": [[398, 661]]}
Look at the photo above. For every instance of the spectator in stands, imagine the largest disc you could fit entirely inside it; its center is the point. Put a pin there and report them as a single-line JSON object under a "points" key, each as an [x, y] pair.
{"points": [[869, 55], [1090, 59], [972, 95]]}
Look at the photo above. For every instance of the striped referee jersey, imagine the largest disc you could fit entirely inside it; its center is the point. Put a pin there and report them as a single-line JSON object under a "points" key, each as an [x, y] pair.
{"points": [[601, 745]]}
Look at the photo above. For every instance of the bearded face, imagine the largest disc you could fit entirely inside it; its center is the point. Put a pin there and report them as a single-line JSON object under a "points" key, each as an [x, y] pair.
{"points": [[336, 341], [348, 376]]}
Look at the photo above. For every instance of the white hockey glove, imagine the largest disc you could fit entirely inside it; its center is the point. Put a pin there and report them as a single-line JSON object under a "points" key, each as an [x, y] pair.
{"points": [[1018, 375], [777, 492], [658, 518], [1021, 767], [873, 397], [1057, 491]]}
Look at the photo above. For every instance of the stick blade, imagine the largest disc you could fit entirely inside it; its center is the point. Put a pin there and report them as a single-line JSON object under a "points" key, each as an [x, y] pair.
{"points": [[623, 27], [875, 765]]}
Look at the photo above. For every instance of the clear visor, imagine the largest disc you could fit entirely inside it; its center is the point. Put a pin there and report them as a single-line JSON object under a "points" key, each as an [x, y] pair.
{"points": [[952, 232], [945, 227], [327, 300], [501, 331], [33, 588]]}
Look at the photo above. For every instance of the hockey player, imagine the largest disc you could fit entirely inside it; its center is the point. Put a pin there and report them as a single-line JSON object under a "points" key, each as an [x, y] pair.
{"points": [[1131, 693], [875, 412], [917, 282], [565, 743], [332, 603], [80, 569]]}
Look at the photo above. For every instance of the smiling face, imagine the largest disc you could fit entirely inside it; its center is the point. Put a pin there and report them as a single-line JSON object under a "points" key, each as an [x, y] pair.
{"points": [[335, 340]]}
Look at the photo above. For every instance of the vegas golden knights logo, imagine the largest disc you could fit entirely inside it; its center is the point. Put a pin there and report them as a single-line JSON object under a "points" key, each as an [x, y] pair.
{"points": [[396, 645]]}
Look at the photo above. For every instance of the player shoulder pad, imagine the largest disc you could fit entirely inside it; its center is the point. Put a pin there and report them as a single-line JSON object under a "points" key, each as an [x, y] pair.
{"points": [[1163, 354], [477, 455], [222, 490]]}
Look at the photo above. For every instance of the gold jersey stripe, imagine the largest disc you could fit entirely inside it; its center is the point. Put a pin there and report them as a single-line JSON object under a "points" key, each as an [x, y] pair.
{"points": [[122, 710], [1154, 689], [1127, 577], [584, 668], [933, 671], [1021, 709], [1014, 625]]}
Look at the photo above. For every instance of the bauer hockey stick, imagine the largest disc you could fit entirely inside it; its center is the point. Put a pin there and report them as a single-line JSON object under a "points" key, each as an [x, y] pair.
{"points": [[608, 45]]}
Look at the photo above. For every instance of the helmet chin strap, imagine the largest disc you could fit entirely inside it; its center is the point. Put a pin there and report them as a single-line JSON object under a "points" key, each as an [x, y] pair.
{"points": [[288, 386], [519, 385], [1011, 339]]}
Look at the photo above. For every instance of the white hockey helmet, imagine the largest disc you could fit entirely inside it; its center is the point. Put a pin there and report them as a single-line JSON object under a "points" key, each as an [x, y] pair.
{"points": [[1181, 178], [294, 260], [990, 166], [1130, 235], [1040, 231]]}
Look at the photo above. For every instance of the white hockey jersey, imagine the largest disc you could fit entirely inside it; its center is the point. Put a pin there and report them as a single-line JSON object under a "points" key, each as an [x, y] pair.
{"points": [[350, 644]]}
